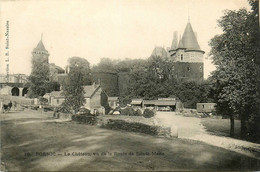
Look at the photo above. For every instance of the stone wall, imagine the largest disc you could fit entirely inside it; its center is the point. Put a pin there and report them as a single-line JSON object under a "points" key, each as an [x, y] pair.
{"points": [[188, 71]]}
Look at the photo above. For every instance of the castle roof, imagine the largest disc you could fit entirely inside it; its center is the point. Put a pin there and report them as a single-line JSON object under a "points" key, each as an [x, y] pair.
{"points": [[159, 51], [180, 45], [189, 39], [40, 46]]}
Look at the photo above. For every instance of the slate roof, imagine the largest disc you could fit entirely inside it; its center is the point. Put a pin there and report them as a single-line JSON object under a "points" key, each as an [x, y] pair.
{"points": [[180, 45], [90, 90], [159, 51], [189, 39], [40, 46]]}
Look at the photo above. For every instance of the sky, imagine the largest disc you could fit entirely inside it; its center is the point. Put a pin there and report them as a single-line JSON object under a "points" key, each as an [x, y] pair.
{"points": [[93, 29]]}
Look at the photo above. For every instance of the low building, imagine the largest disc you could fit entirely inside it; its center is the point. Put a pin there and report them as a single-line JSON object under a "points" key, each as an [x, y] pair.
{"points": [[162, 104], [95, 99], [206, 107], [137, 103], [113, 102], [55, 98]]}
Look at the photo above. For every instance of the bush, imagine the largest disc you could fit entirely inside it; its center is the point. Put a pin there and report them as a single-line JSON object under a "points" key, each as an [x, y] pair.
{"points": [[128, 111], [138, 112], [148, 113], [85, 119], [83, 111], [132, 127]]}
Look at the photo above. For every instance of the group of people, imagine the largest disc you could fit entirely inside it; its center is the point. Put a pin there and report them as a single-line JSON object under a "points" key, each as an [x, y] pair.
{"points": [[7, 107]]}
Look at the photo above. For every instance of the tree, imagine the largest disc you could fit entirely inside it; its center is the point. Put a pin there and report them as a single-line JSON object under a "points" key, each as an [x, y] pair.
{"points": [[82, 65], [73, 90], [105, 65], [38, 79], [237, 75]]}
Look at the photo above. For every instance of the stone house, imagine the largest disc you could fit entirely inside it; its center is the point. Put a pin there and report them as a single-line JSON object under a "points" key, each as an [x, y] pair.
{"points": [[55, 98], [95, 99]]}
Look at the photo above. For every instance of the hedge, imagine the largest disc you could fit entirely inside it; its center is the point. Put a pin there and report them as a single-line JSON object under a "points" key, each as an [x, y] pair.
{"points": [[116, 124]]}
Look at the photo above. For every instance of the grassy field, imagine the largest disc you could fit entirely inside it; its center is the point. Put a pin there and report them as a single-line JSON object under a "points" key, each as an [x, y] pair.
{"points": [[220, 127]]}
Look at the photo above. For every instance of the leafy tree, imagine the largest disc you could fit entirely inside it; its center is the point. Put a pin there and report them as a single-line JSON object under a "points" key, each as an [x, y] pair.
{"points": [[38, 81], [82, 65], [105, 65], [236, 77], [73, 89]]}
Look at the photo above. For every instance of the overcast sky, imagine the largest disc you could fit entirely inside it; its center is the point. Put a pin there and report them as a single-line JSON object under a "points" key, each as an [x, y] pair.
{"points": [[93, 29]]}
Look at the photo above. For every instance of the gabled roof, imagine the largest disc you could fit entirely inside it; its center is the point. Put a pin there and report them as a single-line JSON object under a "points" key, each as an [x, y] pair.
{"points": [[112, 98], [55, 94], [189, 39], [40, 46], [90, 90]]}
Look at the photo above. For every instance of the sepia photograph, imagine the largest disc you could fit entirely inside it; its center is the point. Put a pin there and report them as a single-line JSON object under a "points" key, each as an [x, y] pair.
{"points": [[129, 85]]}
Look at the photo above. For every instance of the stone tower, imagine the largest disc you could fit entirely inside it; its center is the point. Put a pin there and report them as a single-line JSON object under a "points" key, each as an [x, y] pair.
{"points": [[187, 56], [40, 54]]}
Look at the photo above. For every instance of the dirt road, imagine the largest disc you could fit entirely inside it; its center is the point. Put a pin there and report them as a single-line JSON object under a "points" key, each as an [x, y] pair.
{"points": [[33, 141], [191, 128]]}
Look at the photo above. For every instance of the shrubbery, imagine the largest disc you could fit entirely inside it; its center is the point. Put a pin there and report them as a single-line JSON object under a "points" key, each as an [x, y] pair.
{"points": [[138, 112], [148, 113], [132, 127], [85, 119], [128, 111]]}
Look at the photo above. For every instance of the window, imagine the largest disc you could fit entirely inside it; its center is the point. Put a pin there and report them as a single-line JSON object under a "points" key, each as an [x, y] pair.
{"points": [[203, 106], [188, 69], [181, 56], [200, 68]]}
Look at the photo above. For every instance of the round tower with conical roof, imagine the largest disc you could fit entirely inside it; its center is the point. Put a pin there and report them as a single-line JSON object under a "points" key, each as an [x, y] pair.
{"points": [[40, 54], [188, 57]]}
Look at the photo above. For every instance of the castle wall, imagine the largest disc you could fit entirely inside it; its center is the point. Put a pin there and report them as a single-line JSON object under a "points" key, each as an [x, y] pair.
{"points": [[123, 82], [188, 71], [188, 56]]}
